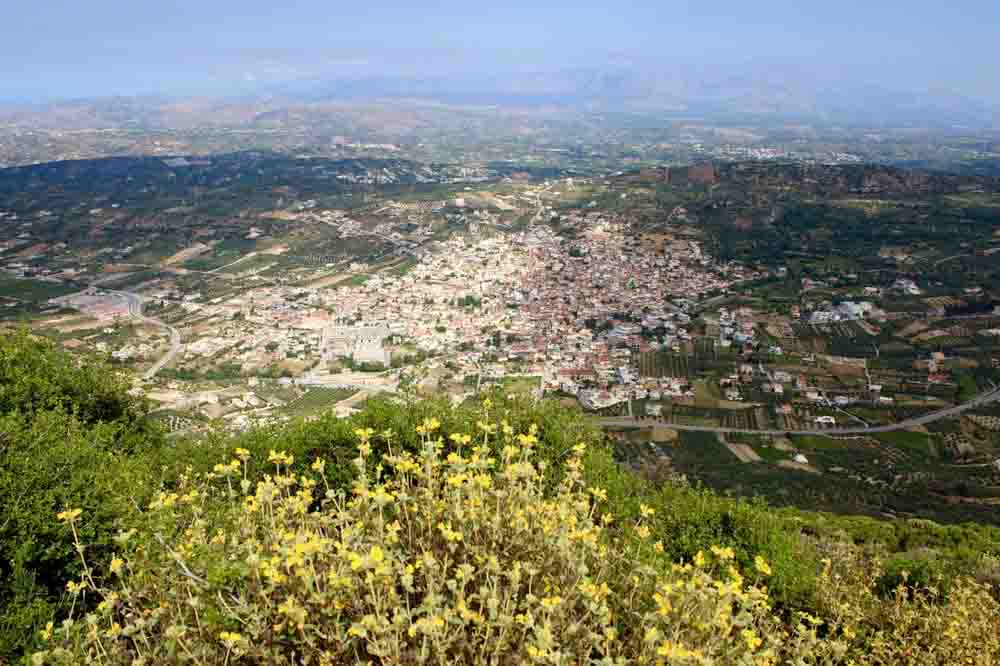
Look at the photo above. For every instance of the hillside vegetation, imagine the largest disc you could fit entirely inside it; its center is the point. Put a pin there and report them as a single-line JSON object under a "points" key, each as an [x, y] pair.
{"points": [[496, 532]]}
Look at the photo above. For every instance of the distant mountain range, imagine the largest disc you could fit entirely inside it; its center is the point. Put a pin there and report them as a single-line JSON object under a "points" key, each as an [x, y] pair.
{"points": [[780, 95], [700, 92]]}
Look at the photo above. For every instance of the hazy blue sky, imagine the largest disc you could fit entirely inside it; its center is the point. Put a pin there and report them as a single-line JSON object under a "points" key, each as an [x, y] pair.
{"points": [[57, 49]]}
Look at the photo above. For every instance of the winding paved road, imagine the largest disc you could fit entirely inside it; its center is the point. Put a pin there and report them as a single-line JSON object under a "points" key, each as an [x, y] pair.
{"points": [[135, 311], [954, 256], [930, 417]]}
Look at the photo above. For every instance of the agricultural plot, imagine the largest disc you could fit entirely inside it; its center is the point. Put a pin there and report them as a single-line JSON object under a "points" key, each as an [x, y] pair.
{"points": [[812, 443], [251, 264], [684, 415], [848, 338], [917, 444], [988, 422], [896, 350], [896, 382], [796, 346], [809, 337], [943, 302], [173, 421], [707, 358], [316, 400], [129, 281], [706, 348], [276, 394], [959, 445], [702, 448], [873, 416], [660, 364], [864, 455], [749, 419], [520, 385], [223, 253], [943, 342], [746, 419], [33, 291]]}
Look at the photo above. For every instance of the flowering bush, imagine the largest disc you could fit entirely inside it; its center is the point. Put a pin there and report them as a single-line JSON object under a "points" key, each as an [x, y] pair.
{"points": [[913, 624], [457, 553]]}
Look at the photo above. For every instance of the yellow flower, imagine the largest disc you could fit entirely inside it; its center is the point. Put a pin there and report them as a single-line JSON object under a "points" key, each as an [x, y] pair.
{"points": [[723, 554], [230, 638], [646, 511], [242, 454], [456, 480], [430, 425], [448, 533], [642, 531], [674, 651], [117, 564], [280, 457], [752, 640], [663, 604], [658, 546], [293, 611], [761, 565], [226, 470], [599, 493], [551, 602], [527, 440], [69, 515], [47, 631], [318, 465]]}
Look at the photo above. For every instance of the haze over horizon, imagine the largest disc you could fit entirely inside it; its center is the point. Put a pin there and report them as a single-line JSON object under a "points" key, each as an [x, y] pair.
{"points": [[810, 57]]}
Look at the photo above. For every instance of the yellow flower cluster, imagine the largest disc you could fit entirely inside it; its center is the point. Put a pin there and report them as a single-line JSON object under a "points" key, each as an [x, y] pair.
{"points": [[460, 553]]}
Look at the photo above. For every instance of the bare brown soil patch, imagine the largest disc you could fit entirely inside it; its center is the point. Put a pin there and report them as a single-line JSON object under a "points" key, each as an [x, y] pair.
{"points": [[802, 467]]}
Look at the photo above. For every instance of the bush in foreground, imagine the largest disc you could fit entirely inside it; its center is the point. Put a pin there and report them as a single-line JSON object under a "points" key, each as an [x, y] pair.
{"points": [[466, 552], [463, 557], [70, 434]]}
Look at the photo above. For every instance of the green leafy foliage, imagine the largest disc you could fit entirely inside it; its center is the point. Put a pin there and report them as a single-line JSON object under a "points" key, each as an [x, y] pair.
{"points": [[34, 377], [70, 435]]}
